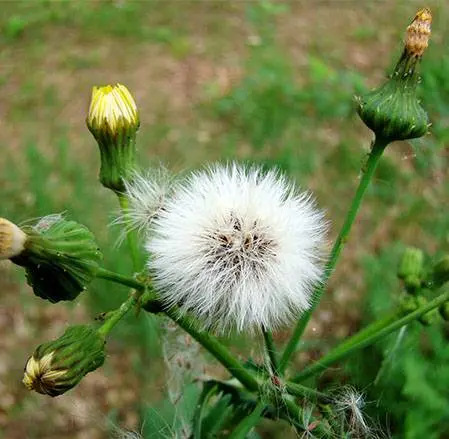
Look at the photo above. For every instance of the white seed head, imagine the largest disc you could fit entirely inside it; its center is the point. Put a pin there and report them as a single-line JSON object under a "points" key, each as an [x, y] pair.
{"points": [[147, 194], [238, 247], [12, 239]]}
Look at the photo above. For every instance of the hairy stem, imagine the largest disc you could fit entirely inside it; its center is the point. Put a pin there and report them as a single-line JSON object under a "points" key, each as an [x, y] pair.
{"points": [[367, 337], [271, 351], [368, 172], [130, 234]]}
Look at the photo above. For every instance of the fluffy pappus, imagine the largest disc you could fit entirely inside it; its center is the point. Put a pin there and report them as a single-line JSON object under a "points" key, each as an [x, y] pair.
{"points": [[147, 193], [238, 247]]}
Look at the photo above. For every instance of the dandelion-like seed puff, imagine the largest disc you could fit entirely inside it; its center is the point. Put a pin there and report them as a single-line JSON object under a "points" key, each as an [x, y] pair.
{"points": [[238, 248]]}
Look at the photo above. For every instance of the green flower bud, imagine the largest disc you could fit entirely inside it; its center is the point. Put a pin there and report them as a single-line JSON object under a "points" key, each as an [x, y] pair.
{"points": [[113, 120], [61, 258], [441, 272], [393, 111], [59, 365], [411, 269]]}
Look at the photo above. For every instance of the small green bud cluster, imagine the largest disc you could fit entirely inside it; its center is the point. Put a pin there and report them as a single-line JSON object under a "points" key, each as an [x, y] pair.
{"points": [[60, 257], [420, 283], [59, 365]]}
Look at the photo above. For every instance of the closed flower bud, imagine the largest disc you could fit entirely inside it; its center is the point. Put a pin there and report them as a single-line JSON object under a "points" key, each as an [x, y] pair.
{"points": [[393, 110], [61, 258], [113, 119], [59, 365], [12, 239], [441, 272], [411, 269]]}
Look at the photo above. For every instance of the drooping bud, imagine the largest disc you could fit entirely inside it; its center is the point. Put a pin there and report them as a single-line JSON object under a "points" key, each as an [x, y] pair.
{"points": [[113, 119], [393, 111], [12, 239], [411, 269], [61, 258], [441, 272], [59, 365]]}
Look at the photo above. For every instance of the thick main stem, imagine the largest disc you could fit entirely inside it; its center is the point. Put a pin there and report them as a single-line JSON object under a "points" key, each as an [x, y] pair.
{"points": [[370, 167], [367, 337], [217, 349]]}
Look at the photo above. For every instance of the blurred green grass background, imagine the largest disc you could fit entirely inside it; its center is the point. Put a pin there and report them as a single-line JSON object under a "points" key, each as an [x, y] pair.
{"points": [[266, 82]]}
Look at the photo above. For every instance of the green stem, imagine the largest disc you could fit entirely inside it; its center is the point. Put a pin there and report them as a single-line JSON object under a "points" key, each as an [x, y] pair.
{"points": [[301, 391], [368, 337], [102, 273], [130, 235], [271, 351], [217, 349], [368, 172], [115, 316], [248, 423]]}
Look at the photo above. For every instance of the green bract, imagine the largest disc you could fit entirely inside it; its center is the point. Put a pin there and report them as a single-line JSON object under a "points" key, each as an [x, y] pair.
{"points": [[61, 258], [58, 365]]}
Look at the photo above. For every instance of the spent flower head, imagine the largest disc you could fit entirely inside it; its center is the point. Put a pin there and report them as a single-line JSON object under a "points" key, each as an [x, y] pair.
{"points": [[12, 239], [59, 365], [238, 247], [393, 111], [113, 119]]}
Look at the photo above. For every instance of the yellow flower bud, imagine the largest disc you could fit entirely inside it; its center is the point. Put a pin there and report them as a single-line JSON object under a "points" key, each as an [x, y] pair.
{"points": [[113, 119], [111, 109], [12, 239]]}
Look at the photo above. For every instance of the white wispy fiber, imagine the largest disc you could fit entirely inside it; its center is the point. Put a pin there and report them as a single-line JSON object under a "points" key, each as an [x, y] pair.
{"points": [[238, 247], [147, 193]]}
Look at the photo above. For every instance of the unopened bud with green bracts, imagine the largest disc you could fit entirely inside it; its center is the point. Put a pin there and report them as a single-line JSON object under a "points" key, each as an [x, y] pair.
{"points": [[113, 119], [411, 269], [59, 365], [393, 111], [61, 258]]}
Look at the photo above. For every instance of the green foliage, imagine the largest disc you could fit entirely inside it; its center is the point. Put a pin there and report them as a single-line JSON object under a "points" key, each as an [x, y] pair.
{"points": [[406, 374]]}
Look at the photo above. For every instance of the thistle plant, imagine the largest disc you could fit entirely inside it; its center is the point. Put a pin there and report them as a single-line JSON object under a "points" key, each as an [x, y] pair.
{"points": [[228, 248]]}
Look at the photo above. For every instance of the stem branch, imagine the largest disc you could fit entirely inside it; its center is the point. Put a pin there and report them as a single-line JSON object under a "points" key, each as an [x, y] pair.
{"points": [[370, 167], [368, 336]]}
